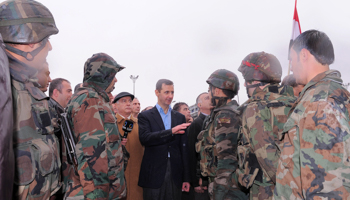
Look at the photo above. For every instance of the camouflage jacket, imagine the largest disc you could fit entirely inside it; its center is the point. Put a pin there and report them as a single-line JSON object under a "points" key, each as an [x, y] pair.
{"points": [[36, 147], [217, 146], [315, 161], [262, 124], [100, 172]]}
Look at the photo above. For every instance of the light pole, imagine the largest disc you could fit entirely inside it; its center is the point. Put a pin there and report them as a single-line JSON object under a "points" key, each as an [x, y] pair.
{"points": [[134, 78], [346, 85]]}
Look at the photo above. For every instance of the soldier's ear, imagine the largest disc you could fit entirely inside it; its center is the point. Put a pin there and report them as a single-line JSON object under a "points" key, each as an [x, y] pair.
{"points": [[304, 54], [216, 91], [55, 93]]}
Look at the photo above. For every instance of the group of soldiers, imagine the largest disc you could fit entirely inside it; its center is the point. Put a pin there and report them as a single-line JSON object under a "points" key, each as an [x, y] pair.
{"points": [[34, 163], [281, 143], [275, 145]]}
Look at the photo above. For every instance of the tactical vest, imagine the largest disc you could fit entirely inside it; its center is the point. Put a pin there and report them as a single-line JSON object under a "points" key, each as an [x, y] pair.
{"points": [[206, 146], [35, 145]]}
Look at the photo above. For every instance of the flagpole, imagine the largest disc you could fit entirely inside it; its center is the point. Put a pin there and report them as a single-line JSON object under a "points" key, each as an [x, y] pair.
{"points": [[296, 31]]}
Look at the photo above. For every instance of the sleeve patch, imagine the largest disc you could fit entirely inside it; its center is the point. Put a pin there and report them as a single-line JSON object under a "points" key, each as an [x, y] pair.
{"points": [[224, 120]]}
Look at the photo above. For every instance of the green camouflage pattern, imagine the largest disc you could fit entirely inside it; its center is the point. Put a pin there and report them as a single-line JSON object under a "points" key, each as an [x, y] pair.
{"points": [[263, 118], [25, 22], [217, 146], [100, 172], [99, 71], [262, 67], [224, 79], [37, 169], [314, 163]]}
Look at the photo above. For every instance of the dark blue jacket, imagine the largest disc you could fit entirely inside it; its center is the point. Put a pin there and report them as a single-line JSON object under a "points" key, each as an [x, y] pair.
{"points": [[158, 142]]}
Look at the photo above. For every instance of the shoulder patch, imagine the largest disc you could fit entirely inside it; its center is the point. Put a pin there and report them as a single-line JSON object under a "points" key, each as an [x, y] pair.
{"points": [[224, 120]]}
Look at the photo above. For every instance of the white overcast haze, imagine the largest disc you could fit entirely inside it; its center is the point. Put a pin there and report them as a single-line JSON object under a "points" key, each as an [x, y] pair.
{"points": [[185, 41]]}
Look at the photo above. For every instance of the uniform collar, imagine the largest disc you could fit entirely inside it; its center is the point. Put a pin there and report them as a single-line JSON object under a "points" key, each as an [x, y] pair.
{"points": [[270, 90], [121, 118], [98, 89], [231, 103], [330, 75]]}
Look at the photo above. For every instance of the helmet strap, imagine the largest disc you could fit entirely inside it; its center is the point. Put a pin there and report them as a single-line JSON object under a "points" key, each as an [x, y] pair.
{"points": [[27, 55], [222, 100], [247, 87]]}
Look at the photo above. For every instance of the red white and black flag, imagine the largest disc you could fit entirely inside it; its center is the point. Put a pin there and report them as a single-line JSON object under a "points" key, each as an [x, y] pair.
{"points": [[296, 30]]}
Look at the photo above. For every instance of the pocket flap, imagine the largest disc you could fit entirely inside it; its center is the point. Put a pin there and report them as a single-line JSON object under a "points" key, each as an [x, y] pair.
{"points": [[25, 165], [44, 154]]}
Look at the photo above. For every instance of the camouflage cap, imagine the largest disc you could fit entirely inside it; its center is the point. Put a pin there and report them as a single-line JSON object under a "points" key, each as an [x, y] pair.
{"points": [[100, 70], [262, 67], [224, 79], [25, 22]]}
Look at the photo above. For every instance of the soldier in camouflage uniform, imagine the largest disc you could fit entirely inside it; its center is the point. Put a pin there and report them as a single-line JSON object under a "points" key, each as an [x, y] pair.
{"points": [[217, 143], [315, 161], [100, 170], [25, 27], [264, 115]]}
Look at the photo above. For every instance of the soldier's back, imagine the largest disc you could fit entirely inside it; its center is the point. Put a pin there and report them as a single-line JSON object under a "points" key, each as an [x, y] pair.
{"points": [[99, 150]]}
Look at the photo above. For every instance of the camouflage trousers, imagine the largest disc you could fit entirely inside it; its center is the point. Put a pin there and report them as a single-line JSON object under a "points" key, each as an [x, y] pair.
{"points": [[258, 192], [233, 193], [22, 192]]}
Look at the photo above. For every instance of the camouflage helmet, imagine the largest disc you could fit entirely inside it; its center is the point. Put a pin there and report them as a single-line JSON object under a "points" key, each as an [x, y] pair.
{"points": [[262, 67], [25, 22], [224, 79]]}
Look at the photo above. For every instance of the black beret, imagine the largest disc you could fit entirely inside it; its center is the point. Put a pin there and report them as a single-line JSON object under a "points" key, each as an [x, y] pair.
{"points": [[121, 95]]}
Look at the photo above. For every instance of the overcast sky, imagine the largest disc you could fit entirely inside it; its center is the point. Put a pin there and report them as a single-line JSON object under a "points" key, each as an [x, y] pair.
{"points": [[185, 41]]}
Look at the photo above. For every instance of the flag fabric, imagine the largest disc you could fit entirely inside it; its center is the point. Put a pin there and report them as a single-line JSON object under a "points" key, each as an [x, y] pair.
{"points": [[296, 31]]}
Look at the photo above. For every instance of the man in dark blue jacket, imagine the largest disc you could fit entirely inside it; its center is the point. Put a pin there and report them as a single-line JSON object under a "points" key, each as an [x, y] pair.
{"points": [[162, 131]]}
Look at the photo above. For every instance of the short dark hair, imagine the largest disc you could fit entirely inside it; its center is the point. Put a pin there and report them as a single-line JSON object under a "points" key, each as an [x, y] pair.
{"points": [[197, 100], [178, 105], [147, 108], [229, 93], [160, 83], [319, 45], [77, 87], [290, 81], [56, 84]]}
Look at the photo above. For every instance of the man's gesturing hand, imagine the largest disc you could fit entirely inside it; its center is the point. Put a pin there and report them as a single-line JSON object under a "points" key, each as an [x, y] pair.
{"points": [[180, 129]]}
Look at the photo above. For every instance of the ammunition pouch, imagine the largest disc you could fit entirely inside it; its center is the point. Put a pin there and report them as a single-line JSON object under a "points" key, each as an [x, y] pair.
{"points": [[42, 118]]}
